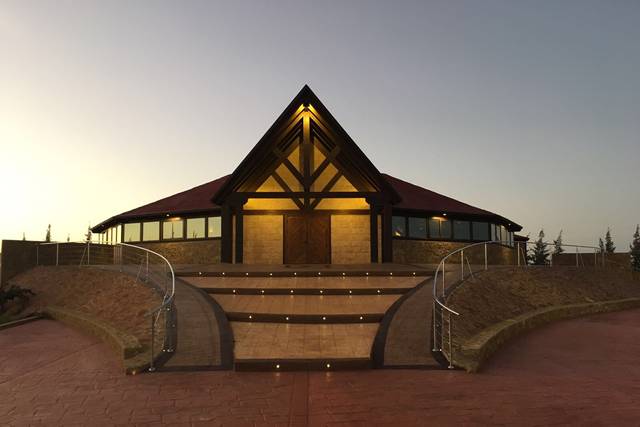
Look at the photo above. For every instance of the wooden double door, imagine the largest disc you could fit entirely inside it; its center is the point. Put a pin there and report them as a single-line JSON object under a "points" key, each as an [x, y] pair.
{"points": [[307, 239]]}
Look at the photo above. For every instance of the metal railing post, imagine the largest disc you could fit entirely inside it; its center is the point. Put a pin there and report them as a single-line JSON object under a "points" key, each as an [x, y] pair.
{"points": [[486, 260], [450, 346], [147, 275], [518, 251], [57, 253], [153, 338], [462, 264], [433, 347], [577, 263], [88, 252]]}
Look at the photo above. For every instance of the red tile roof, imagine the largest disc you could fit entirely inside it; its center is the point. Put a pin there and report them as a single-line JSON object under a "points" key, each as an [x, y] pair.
{"points": [[198, 199]]}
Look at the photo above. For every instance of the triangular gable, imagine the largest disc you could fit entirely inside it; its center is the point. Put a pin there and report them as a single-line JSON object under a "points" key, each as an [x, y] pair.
{"points": [[320, 157]]}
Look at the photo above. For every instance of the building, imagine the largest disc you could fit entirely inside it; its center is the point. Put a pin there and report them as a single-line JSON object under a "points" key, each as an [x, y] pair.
{"points": [[307, 194]]}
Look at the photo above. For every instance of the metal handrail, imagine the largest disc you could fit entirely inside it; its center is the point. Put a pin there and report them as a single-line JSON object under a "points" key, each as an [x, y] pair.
{"points": [[439, 300], [169, 292]]}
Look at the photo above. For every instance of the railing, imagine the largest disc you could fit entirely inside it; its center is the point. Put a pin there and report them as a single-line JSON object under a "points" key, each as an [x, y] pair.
{"points": [[147, 266], [443, 316]]}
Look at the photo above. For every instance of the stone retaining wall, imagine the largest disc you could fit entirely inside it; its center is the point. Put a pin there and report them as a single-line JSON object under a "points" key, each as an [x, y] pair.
{"points": [[407, 251], [195, 252]]}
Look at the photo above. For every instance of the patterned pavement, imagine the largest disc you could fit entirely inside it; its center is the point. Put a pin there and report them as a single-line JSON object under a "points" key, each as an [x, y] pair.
{"points": [[577, 372]]}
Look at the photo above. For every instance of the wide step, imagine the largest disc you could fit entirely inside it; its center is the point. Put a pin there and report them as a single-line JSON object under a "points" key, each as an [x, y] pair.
{"points": [[304, 308], [281, 346]]}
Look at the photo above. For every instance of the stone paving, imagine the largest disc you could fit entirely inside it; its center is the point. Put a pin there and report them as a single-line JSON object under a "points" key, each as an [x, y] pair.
{"points": [[577, 372]]}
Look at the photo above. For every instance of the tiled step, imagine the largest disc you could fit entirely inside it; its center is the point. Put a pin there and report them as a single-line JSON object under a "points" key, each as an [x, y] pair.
{"points": [[279, 346], [305, 308], [305, 285]]}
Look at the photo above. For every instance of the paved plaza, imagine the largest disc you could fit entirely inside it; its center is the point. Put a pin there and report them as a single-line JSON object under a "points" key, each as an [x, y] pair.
{"points": [[577, 372]]}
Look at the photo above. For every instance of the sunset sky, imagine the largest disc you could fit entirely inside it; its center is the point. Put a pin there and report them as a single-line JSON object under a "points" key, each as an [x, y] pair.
{"points": [[529, 109]]}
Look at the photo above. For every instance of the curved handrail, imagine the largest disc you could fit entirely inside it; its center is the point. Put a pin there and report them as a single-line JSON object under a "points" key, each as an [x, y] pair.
{"points": [[441, 268]]}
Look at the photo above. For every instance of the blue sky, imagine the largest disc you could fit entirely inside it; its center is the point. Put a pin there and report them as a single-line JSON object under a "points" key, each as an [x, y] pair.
{"points": [[527, 109]]}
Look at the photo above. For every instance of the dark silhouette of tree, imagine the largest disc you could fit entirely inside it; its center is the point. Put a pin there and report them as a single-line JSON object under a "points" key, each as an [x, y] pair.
{"points": [[539, 254], [47, 238], [88, 235], [635, 250], [23, 237], [601, 244], [557, 244], [608, 242], [68, 237]]}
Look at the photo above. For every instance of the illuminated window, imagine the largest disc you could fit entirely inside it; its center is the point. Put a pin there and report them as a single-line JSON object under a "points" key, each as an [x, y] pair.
{"points": [[418, 228], [439, 228], [132, 232], [173, 229], [399, 226], [480, 231], [150, 231], [215, 227], [195, 228], [118, 237]]}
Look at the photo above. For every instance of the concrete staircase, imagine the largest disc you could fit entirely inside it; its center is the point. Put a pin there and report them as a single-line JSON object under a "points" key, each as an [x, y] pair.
{"points": [[289, 323]]}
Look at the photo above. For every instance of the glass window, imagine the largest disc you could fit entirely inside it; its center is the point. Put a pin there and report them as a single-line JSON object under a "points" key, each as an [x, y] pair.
{"points": [[503, 235], [399, 227], [132, 232], [118, 236], [461, 230], [215, 227], [418, 228], [439, 228], [480, 231], [195, 228], [173, 229], [151, 231]]}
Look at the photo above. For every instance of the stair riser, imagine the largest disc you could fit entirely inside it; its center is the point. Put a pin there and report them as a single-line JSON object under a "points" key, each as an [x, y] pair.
{"points": [[304, 274], [303, 365], [304, 318], [282, 291]]}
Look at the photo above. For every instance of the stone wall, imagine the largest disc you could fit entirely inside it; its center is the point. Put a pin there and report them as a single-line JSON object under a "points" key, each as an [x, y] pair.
{"points": [[17, 256], [194, 252], [432, 252], [350, 239], [263, 239]]}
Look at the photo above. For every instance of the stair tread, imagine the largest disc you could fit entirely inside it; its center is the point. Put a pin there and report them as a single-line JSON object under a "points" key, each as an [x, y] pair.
{"points": [[283, 341], [305, 282], [306, 304]]}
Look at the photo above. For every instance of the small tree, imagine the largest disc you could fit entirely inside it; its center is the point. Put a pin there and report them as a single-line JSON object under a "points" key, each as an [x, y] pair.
{"points": [[558, 244], [539, 254], [23, 237], [47, 237], [601, 244], [635, 250], [68, 237], [608, 242], [88, 235]]}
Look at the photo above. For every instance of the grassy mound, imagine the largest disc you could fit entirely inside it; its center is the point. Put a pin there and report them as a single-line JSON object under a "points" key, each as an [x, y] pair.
{"points": [[496, 295], [109, 296]]}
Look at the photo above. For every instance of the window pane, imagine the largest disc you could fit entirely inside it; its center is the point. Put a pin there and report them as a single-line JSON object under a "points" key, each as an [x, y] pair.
{"points": [[434, 228], [215, 228], [461, 230], [398, 226], [118, 237], [150, 231], [172, 229], [195, 228], [480, 231], [418, 228], [132, 232], [503, 234]]}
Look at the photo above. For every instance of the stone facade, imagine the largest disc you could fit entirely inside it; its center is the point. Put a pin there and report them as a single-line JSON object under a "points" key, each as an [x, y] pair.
{"points": [[263, 239], [350, 239], [431, 252], [194, 252]]}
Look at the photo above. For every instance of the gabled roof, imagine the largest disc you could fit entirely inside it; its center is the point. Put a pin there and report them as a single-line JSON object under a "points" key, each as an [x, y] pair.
{"points": [[194, 200], [198, 199], [262, 150]]}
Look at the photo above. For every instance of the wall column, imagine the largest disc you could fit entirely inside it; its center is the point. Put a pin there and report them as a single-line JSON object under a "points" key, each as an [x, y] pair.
{"points": [[226, 244], [387, 238], [239, 234]]}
